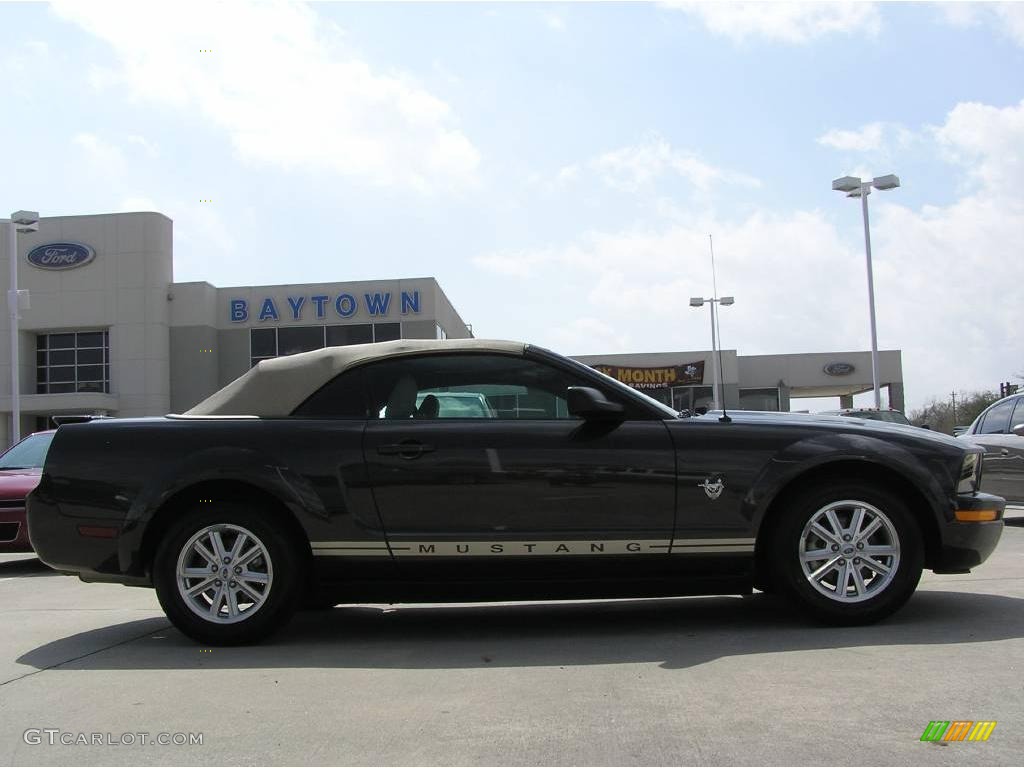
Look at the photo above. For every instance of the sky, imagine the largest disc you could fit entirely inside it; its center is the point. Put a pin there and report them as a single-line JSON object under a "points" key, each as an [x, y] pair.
{"points": [[559, 167]]}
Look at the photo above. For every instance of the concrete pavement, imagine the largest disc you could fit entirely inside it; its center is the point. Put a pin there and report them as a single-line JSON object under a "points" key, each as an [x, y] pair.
{"points": [[718, 680]]}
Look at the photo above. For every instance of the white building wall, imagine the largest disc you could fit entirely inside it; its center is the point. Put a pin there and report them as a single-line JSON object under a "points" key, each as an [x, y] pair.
{"points": [[124, 289]]}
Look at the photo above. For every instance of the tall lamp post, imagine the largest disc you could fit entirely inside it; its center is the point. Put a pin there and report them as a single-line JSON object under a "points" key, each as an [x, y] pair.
{"points": [[725, 301], [20, 221], [854, 187]]}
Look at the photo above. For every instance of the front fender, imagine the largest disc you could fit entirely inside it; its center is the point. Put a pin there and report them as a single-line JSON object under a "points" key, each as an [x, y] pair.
{"points": [[930, 474]]}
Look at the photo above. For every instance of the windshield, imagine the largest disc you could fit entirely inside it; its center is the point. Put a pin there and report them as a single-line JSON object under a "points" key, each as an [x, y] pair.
{"points": [[29, 453]]}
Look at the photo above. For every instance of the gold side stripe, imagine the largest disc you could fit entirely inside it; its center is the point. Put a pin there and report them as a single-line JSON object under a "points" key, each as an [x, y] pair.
{"points": [[527, 548]]}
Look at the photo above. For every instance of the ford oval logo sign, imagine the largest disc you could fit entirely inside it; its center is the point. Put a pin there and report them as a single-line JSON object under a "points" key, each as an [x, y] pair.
{"points": [[61, 255], [839, 369]]}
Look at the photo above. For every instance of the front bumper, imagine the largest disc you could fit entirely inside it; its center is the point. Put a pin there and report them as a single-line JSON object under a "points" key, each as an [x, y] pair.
{"points": [[965, 545]]}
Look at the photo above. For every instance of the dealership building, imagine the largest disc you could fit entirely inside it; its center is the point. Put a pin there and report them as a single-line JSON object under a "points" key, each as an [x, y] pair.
{"points": [[106, 330]]}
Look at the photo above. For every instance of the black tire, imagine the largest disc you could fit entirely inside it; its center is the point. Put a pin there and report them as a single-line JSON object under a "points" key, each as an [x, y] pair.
{"points": [[280, 596], [874, 596]]}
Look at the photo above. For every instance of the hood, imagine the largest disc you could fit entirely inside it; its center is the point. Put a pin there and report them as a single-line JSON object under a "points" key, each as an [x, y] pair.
{"points": [[845, 423]]}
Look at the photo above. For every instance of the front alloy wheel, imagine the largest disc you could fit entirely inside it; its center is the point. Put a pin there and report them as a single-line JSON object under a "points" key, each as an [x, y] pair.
{"points": [[847, 553]]}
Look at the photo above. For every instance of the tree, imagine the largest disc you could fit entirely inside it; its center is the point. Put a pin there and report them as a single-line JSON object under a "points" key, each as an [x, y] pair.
{"points": [[938, 414]]}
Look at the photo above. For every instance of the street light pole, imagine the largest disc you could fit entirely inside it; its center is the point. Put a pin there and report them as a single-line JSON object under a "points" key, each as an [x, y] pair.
{"points": [[865, 191], [854, 187], [717, 375], [697, 301], [20, 221]]}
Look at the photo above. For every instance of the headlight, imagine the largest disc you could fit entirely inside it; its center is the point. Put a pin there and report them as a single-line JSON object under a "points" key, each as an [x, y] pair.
{"points": [[970, 474]]}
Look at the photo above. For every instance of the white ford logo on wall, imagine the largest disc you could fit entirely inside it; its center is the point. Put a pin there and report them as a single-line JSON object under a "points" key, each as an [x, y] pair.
{"points": [[61, 255]]}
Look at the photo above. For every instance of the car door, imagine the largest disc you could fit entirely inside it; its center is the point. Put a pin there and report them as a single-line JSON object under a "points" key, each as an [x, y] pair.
{"points": [[1003, 470], [517, 490]]}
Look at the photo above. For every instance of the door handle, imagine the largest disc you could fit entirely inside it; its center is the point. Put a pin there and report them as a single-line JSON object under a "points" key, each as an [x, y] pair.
{"points": [[1004, 452], [407, 449]]}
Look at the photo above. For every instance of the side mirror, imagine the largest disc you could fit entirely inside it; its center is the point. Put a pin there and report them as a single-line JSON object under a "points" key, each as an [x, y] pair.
{"points": [[1018, 430], [926, 426], [589, 403]]}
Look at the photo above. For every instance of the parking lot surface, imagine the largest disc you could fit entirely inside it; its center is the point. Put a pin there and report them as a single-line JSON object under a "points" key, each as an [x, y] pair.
{"points": [[705, 680]]}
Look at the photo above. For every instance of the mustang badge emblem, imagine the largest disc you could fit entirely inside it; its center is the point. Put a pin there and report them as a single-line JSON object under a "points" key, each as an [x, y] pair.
{"points": [[713, 487]]}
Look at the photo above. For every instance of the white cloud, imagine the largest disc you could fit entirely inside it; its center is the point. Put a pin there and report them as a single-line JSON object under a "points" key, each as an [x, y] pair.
{"points": [[988, 141], [589, 333], [18, 61], [638, 283], [789, 22], [136, 203], [38, 47], [104, 156], [554, 21], [278, 82], [866, 139], [201, 234], [633, 167], [149, 147], [1006, 18], [878, 144], [941, 274]]}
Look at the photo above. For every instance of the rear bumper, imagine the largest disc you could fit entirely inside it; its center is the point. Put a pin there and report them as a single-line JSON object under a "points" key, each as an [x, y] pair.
{"points": [[59, 541], [965, 545], [14, 530]]}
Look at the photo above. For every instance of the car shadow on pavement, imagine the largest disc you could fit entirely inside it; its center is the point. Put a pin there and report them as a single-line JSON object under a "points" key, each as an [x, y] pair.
{"points": [[27, 566], [674, 632]]}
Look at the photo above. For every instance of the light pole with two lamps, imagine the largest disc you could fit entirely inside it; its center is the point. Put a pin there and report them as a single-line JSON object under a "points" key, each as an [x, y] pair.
{"points": [[725, 301], [20, 221], [854, 187]]}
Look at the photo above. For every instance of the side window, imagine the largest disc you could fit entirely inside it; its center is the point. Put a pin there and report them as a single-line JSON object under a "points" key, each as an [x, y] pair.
{"points": [[343, 397], [997, 420], [1018, 413], [467, 386]]}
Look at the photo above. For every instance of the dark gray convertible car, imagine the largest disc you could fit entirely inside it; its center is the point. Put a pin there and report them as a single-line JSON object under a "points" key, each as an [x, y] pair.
{"points": [[484, 470]]}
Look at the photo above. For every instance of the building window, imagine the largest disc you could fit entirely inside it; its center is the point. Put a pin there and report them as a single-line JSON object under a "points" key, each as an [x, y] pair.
{"points": [[265, 343], [76, 361], [761, 399], [690, 398], [387, 331], [343, 335], [291, 341]]}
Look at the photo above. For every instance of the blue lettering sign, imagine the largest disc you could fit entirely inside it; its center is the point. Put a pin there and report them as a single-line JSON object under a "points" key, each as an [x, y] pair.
{"points": [[320, 301], [410, 302], [346, 305], [239, 310], [296, 304], [269, 311], [377, 304]]}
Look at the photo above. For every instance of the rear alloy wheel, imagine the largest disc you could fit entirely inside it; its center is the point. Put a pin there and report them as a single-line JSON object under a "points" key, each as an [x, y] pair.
{"points": [[848, 554], [227, 576]]}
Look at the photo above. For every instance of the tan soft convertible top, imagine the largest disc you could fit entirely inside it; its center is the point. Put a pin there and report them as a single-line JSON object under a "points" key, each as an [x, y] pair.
{"points": [[277, 387]]}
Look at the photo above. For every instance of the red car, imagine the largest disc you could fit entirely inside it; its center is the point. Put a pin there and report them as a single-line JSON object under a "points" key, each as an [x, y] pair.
{"points": [[20, 467]]}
